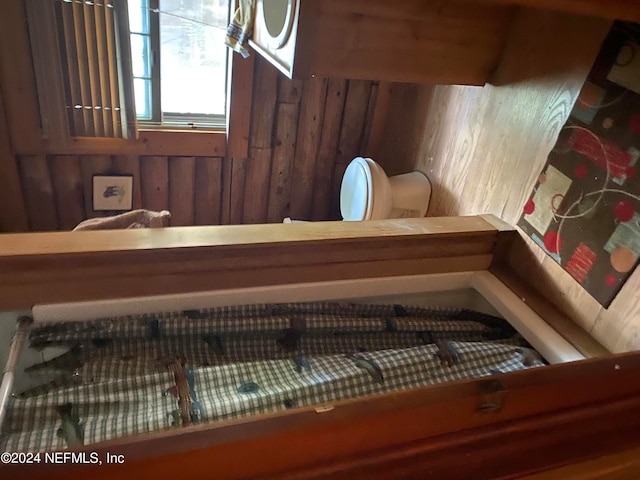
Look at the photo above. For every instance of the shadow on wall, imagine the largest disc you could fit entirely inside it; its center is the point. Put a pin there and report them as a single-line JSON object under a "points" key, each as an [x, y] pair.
{"points": [[395, 146]]}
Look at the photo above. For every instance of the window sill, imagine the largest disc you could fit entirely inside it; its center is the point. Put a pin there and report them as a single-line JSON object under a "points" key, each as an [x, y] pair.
{"points": [[164, 142]]}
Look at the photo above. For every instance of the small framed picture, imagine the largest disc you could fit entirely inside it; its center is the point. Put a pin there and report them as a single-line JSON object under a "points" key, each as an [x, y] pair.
{"points": [[113, 192]]}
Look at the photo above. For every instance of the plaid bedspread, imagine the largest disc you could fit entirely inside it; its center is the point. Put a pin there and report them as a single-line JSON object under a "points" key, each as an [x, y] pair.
{"points": [[137, 374]]}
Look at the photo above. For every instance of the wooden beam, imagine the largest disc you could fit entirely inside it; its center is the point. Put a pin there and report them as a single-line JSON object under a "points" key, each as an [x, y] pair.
{"points": [[69, 266]]}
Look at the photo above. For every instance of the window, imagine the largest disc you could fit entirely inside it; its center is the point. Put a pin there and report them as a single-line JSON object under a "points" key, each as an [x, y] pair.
{"points": [[179, 61], [110, 63]]}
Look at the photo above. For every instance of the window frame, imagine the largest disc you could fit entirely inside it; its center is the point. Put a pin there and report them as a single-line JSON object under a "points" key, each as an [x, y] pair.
{"points": [[154, 59], [23, 118], [160, 119]]}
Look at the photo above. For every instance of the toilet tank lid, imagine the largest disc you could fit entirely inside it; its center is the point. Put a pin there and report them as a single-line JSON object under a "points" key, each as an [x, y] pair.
{"points": [[355, 192]]}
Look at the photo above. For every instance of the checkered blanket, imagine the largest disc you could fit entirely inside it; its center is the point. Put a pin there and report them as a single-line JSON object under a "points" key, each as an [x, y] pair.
{"points": [[137, 374]]}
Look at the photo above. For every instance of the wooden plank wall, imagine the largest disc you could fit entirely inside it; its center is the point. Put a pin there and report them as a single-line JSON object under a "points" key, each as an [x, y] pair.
{"points": [[302, 136], [58, 188], [13, 217]]}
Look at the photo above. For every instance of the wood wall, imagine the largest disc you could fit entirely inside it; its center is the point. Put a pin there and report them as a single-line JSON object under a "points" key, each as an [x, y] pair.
{"points": [[58, 188], [302, 136], [484, 147]]}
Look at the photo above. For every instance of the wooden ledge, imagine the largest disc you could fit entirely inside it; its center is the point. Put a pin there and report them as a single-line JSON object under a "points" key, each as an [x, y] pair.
{"points": [[183, 143], [41, 268], [53, 243]]}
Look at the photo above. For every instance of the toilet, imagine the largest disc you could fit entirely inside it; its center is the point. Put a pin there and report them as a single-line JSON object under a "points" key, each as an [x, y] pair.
{"points": [[368, 194]]}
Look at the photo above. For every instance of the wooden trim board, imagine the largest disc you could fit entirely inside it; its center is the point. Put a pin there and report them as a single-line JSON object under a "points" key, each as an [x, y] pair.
{"points": [[182, 143]]}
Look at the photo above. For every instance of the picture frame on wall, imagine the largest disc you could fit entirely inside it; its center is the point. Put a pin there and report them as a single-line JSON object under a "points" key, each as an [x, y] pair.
{"points": [[112, 192]]}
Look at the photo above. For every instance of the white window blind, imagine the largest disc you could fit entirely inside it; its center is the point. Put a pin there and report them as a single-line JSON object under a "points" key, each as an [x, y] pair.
{"points": [[82, 64]]}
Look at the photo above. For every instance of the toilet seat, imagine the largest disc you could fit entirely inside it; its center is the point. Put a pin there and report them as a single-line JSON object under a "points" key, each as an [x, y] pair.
{"points": [[365, 193], [382, 201], [355, 197]]}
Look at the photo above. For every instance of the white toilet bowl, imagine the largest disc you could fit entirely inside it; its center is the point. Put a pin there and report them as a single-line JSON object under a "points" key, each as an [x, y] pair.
{"points": [[368, 194]]}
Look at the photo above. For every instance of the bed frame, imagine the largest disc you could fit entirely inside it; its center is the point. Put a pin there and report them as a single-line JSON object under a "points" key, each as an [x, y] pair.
{"points": [[509, 425]]}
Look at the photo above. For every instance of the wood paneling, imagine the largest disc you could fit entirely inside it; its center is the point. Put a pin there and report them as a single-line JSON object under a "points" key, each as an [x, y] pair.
{"points": [[612, 9], [149, 142], [398, 126], [130, 165], [93, 165], [208, 190], [283, 151], [314, 94], [258, 165], [327, 150], [237, 186], [154, 173], [58, 189], [67, 180], [17, 79], [483, 149], [300, 131], [239, 101], [13, 215], [302, 136], [351, 138], [38, 193], [182, 192]]}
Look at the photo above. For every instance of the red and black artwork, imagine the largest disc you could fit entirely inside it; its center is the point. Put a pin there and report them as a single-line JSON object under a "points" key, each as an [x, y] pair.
{"points": [[585, 208]]}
